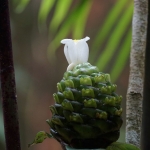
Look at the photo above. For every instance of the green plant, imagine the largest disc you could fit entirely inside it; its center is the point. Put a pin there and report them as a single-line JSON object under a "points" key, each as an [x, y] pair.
{"points": [[115, 29], [87, 109]]}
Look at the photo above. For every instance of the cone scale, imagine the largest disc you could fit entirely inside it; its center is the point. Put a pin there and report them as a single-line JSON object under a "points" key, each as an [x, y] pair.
{"points": [[87, 110]]}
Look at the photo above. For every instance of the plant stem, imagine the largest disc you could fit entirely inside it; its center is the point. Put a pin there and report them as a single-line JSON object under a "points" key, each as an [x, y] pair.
{"points": [[145, 140], [8, 87], [136, 78]]}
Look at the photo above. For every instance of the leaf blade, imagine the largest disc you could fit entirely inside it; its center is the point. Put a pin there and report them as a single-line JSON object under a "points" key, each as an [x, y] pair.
{"points": [[45, 8], [107, 26], [122, 57], [113, 40], [61, 10], [65, 29], [21, 6], [78, 28]]}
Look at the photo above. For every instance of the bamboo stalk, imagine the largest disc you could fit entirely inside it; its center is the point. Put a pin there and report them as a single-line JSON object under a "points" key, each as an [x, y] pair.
{"points": [[136, 78], [9, 101], [145, 140]]}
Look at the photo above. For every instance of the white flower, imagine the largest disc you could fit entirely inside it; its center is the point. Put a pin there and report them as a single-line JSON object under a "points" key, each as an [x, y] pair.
{"points": [[76, 51]]}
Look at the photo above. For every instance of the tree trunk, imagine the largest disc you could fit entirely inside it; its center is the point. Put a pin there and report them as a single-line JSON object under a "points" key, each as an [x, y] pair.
{"points": [[136, 77], [9, 100]]}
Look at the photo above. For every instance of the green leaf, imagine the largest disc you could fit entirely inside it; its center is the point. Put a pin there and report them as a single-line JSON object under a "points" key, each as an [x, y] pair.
{"points": [[121, 146], [61, 10], [45, 8], [115, 38], [109, 22], [65, 28], [22, 5], [122, 57], [40, 137], [81, 21]]}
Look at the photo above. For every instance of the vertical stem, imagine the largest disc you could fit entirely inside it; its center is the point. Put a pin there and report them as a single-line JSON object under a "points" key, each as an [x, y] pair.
{"points": [[145, 141], [135, 87], [9, 101]]}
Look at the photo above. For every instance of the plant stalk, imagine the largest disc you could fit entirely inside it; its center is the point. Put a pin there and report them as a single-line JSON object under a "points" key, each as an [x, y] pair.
{"points": [[8, 87], [136, 78]]}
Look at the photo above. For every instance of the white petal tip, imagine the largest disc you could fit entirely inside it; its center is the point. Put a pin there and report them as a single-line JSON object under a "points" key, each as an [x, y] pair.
{"points": [[86, 38], [64, 41]]}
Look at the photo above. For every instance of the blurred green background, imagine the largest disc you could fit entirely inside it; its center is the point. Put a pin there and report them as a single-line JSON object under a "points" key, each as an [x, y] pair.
{"points": [[37, 28]]}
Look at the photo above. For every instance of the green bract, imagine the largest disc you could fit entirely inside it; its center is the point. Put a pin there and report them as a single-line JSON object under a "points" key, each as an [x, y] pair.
{"points": [[87, 111]]}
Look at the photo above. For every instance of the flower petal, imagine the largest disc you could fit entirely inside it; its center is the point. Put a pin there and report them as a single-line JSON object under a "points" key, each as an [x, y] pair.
{"points": [[86, 38], [76, 51], [69, 50], [64, 41], [82, 51], [67, 54]]}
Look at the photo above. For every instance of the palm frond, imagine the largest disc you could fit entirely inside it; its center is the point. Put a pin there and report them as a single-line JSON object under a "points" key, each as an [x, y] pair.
{"points": [[122, 58], [80, 23], [21, 5], [107, 26], [115, 39], [66, 20], [61, 11], [66, 28], [44, 10]]}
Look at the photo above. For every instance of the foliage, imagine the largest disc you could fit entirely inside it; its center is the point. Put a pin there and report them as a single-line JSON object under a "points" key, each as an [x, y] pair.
{"points": [[114, 36], [21, 5], [40, 137], [60, 18]]}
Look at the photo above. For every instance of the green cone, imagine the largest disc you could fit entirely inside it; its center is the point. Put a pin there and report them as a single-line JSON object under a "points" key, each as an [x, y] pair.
{"points": [[87, 111]]}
